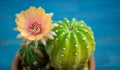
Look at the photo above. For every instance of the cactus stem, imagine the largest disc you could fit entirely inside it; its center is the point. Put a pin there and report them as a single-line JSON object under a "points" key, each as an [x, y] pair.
{"points": [[77, 45]]}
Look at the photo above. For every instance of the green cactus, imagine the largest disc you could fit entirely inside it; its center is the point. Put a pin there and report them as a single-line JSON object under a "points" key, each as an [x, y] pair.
{"points": [[32, 56], [72, 47]]}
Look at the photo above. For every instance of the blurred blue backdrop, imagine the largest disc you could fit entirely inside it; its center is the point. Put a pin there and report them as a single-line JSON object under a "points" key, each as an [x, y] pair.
{"points": [[103, 16]]}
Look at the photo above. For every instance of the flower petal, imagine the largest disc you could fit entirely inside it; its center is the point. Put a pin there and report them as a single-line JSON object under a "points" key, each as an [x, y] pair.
{"points": [[38, 37], [23, 31], [32, 37], [43, 41], [41, 12], [21, 20], [48, 19], [53, 33], [34, 17], [19, 36]]}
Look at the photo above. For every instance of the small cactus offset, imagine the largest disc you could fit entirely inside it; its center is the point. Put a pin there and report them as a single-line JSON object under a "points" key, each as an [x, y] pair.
{"points": [[72, 47], [33, 57]]}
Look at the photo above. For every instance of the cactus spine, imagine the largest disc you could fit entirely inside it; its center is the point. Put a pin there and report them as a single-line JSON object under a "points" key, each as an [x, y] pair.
{"points": [[72, 47]]}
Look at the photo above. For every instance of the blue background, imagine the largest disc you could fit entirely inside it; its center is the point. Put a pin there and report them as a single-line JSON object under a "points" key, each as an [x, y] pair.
{"points": [[103, 16]]}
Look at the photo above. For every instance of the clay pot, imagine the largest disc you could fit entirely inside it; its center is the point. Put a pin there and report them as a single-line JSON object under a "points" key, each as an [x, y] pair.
{"points": [[16, 63]]}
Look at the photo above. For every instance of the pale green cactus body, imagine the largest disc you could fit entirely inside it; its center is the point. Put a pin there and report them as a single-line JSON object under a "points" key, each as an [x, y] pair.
{"points": [[73, 45]]}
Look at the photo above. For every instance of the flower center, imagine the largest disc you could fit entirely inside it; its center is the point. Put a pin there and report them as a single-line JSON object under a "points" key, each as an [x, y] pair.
{"points": [[36, 29]]}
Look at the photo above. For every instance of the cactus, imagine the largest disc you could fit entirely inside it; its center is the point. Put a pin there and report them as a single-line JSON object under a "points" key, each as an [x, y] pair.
{"points": [[72, 47], [32, 56]]}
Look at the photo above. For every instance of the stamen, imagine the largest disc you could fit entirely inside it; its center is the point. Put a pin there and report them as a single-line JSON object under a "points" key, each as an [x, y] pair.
{"points": [[36, 29]]}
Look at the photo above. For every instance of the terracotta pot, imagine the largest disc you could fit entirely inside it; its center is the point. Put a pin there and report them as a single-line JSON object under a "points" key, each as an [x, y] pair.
{"points": [[16, 63]]}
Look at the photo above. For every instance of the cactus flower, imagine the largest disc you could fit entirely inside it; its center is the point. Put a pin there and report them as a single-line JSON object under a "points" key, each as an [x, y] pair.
{"points": [[34, 24]]}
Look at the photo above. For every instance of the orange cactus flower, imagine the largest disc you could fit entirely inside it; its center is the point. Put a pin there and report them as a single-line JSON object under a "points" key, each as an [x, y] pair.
{"points": [[34, 24]]}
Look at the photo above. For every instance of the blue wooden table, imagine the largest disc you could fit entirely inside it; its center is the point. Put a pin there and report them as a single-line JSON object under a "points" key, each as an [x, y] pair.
{"points": [[103, 16]]}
